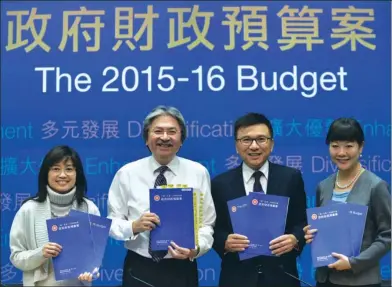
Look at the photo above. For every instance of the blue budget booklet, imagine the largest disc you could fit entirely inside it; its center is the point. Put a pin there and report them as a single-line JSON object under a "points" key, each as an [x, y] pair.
{"points": [[175, 209], [357, 222], [340, 229], [261, 218], [100, 227], [73, 233], [356, 226]]}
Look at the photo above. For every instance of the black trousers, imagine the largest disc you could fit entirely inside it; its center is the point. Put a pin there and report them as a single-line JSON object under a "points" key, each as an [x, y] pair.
{"points": [[329, 284], [166, 273]]}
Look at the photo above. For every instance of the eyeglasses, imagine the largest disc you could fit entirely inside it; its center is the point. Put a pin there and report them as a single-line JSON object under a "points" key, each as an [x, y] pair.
{"points": [[249, 141], [68, 170], [159, 132]]}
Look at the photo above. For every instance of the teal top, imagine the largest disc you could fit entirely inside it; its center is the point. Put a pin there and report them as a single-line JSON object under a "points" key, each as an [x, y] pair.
{"points": [[340, 196]]}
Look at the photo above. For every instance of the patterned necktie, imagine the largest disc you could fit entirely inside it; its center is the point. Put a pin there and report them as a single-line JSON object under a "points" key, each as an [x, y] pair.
{"points": [[257, 185], [160, 180]]}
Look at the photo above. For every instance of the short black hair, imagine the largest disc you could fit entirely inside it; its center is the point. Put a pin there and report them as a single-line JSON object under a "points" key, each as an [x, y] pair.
{"points": [[345, 129], [54, 156], [252, 119]]}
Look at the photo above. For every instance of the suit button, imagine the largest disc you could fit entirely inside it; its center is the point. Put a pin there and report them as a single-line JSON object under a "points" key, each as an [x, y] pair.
{"points": [[259, 269]]}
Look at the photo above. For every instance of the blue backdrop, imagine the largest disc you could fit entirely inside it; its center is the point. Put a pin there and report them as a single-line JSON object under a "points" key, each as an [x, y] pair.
{"points": [[87, 73]]}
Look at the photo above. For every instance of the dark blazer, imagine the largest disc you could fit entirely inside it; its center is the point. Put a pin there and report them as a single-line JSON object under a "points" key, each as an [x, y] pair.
{"points": [[282, 181], [374, 192]]}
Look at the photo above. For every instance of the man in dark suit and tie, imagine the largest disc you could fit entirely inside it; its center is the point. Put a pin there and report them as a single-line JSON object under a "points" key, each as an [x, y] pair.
{"points": [[254, 143]]}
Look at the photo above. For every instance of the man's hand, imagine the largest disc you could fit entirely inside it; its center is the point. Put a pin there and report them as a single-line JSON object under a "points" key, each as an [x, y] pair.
{"points": [[147, 221], [236, 243], [178, 252], [309, 234], [283, 244]]}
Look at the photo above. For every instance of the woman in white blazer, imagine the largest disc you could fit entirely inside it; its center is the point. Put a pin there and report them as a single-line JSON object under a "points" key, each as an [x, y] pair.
{"points": [[62, 186]]}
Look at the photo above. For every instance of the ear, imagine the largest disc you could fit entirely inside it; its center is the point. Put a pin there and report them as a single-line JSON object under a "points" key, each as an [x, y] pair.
{"points": [[361, 147]]}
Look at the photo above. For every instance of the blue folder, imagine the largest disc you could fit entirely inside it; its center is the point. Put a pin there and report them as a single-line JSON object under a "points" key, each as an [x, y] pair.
{"points": [[340, 230], [175, 208], [100, 227], [74, 235], [83, 237], [261, 218], [358, 214]]}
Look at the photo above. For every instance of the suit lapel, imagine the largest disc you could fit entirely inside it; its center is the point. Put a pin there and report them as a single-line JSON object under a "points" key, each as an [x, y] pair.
{"points": [[273, 183], [328, 191], [237, 183]]}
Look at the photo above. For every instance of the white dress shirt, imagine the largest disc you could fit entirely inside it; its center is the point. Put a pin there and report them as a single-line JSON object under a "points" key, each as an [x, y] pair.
{"points": [[249, 180], [129, 198]]}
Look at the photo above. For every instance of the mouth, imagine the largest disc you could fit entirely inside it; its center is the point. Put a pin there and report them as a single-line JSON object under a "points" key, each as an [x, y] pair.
{"points": [[164, 145], [342, 160], [254, 154], [62, 182]]}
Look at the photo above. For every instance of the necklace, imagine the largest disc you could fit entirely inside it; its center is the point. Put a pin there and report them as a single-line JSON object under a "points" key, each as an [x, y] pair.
{"points": [[351, 182]]}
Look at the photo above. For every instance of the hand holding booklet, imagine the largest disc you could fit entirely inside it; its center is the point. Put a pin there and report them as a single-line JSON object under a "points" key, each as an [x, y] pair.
{"points": [[340, 228], [261, 218], [83, 238]]}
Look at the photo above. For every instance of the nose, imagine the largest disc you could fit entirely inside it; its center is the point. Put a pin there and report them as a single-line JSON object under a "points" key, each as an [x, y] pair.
{"points": [[254, 145], [165, 136], [341, 151], [62, 173]]}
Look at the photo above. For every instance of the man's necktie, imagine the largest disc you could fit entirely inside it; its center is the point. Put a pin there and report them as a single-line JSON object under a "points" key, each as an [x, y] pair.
{"points": [[160, 180], [257, 185]]}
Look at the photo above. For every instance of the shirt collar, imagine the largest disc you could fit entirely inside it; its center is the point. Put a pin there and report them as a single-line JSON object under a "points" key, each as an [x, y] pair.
{"points": [[173, 166], [247, 172]]}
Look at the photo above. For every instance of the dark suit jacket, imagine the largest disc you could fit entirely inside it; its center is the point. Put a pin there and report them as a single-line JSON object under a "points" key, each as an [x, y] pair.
{"points": [[374, 192], [282, 181]]}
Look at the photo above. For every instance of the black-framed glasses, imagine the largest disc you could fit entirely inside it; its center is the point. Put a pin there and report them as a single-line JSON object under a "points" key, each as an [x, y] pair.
{"points": [[246, 141]]}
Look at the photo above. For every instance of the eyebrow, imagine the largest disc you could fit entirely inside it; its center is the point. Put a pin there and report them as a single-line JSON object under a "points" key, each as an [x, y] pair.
{"points": [[255, 137], [161, 128], [66, 165]]}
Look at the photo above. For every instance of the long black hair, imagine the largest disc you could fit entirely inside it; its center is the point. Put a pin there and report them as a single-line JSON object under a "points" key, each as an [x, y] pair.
{"points": [[54, 156]]}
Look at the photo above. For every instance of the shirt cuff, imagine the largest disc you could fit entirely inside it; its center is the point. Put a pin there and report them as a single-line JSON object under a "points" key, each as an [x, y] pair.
{"points": [[296, 246], [197, 253]]}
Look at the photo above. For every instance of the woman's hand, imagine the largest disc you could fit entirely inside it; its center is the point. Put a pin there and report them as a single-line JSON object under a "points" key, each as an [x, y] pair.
{"points": [[342, 264], [51, 250], [87, 276]]}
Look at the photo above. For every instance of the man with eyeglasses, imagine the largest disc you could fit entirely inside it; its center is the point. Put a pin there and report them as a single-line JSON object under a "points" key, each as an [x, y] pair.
{"points": [[254, 143], [128, 205]]}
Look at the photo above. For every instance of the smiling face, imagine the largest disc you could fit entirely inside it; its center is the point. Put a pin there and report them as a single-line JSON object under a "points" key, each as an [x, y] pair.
{"points": [[345, 154], [164, 138], [254, 144], [62, 176]]}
